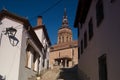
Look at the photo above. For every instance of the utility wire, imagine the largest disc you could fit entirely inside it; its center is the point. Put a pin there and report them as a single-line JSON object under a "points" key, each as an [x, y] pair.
{"points": [[48, 9], [44, 12], [54, 5]]}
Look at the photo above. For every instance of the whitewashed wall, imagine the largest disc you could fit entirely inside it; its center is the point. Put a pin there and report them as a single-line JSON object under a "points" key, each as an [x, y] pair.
{"points": [[13, 58], [41, 35], [25, 72], [10, 55]]}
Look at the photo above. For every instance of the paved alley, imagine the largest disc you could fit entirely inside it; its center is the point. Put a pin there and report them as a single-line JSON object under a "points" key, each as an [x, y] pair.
{"points": [[68, 74], [60, 74]]}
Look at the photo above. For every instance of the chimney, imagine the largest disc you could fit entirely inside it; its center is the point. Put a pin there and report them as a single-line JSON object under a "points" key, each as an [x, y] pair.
{"points": [[39, 21]]}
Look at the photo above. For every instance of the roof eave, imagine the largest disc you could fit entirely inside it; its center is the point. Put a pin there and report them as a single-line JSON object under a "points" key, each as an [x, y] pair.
{"points": [[82, 11], [25, 22], [45, 31]]}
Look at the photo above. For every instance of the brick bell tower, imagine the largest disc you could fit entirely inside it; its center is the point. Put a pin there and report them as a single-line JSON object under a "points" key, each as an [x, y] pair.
{"points": [[65, 32], [65, 52]]}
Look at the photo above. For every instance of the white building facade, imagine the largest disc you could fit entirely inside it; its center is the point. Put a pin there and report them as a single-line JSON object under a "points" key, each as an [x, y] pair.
{"points": [[42, 34], [21, 52], [98, 24]]}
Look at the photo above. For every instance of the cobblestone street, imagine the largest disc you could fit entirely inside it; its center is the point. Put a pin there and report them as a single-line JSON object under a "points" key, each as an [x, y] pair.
{"points": [[60, 74], [68, 74]]}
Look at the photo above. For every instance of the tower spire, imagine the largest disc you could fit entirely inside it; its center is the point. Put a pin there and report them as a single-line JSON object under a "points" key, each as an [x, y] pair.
{"points": [[65, 12], [65, 20], [65, 32]]}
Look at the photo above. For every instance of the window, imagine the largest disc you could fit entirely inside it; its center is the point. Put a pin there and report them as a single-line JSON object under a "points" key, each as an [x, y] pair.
{"points": [[59, 54], [32, 58], [79, 28], [81, 46], [59, 39], [102, 67], [99, 12], [72, 52], [70, 38], [43, 63], [28, 57], [90, 25], [85, 39], [67, 39], [112, 1], [35, 61], [78, 52], [78, 32], [62, 39]]}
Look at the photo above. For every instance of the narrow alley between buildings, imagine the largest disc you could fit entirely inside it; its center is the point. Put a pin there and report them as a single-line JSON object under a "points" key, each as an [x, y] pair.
{"points": [[58, 73]]}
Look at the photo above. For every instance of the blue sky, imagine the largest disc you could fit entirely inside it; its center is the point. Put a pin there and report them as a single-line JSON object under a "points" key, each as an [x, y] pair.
{"points": [[51, 10]]}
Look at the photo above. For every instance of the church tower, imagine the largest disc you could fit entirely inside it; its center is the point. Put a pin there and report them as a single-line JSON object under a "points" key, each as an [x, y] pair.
{"points": [[64, 33], [65, 52]]}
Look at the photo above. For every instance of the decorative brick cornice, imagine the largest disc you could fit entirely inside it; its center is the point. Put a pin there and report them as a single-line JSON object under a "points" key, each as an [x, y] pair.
{"points": [[66, 45]]}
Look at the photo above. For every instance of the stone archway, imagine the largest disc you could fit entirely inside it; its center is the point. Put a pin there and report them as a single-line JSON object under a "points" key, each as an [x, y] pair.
{"points": [[64, 62]]}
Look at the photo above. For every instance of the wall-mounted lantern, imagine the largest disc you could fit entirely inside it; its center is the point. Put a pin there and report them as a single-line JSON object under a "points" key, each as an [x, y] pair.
{"points": [[11, 31]]}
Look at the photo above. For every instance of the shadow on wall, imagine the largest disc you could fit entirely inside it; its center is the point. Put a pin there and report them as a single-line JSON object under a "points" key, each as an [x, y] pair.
{"points": [[82, 75], [2, 78], [69, 73]]}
